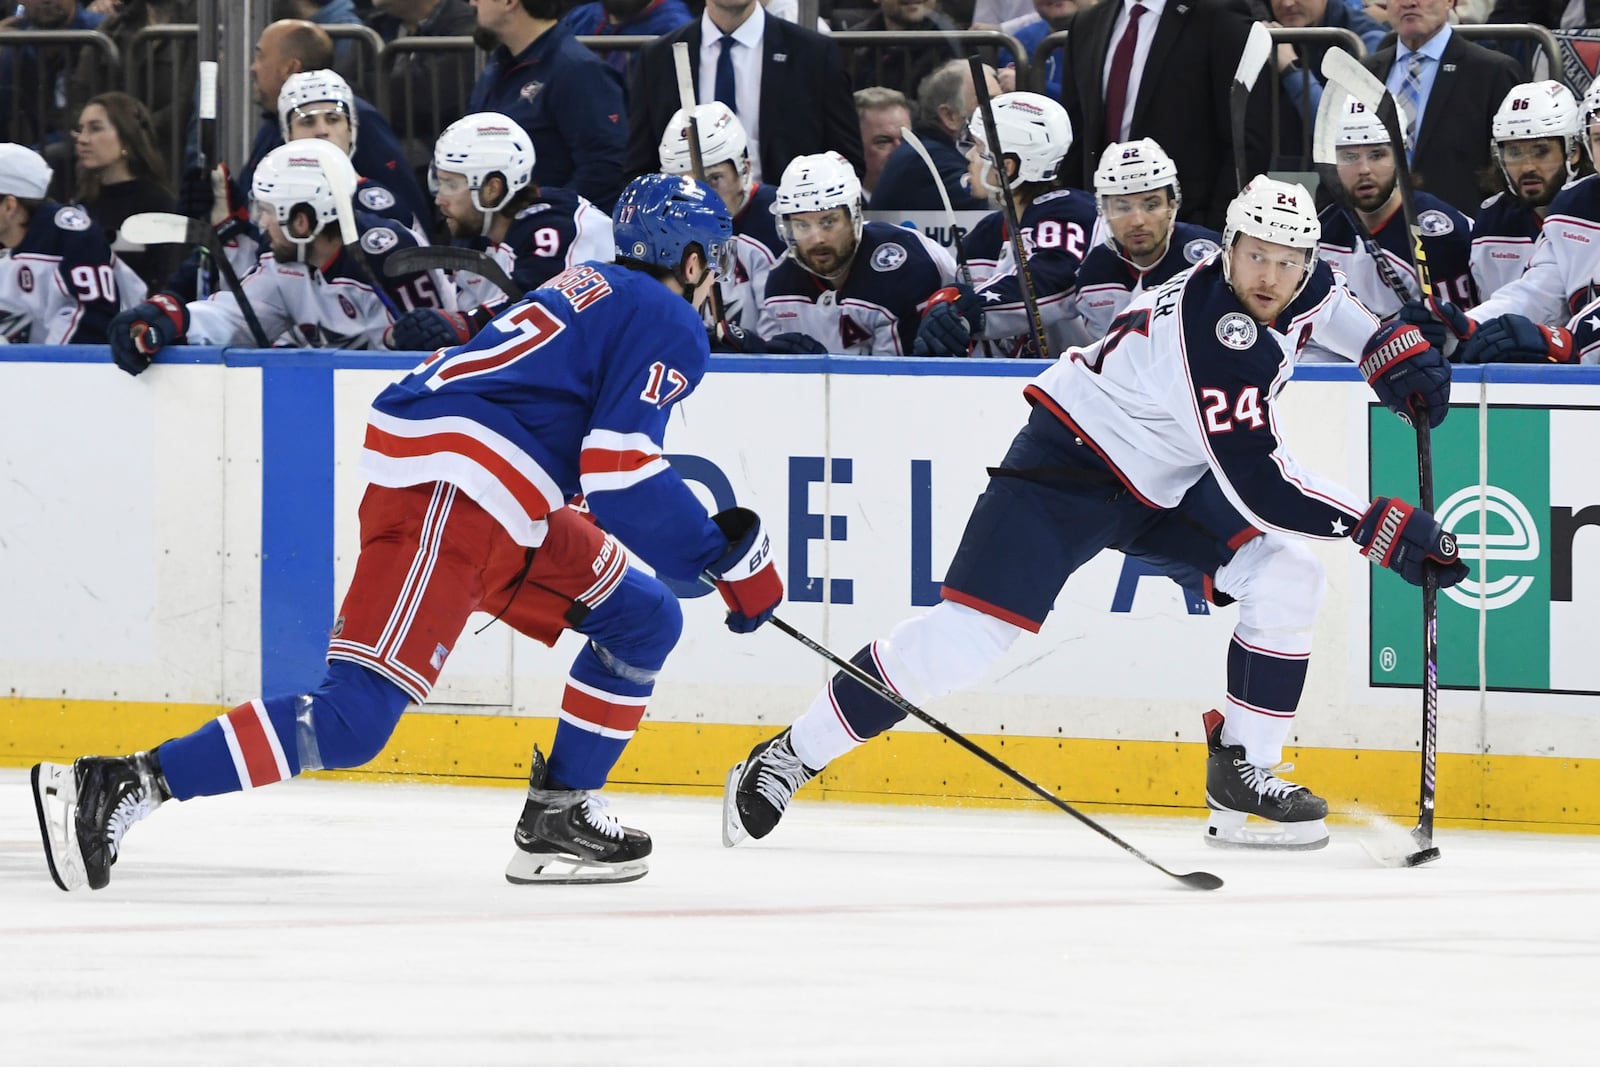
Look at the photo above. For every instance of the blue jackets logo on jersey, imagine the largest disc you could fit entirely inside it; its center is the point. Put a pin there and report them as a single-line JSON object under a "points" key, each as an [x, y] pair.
{"points": [[530, 90], [1199, 249], [1236, 331], [72, 218], [379, 240], [1435, 223], [376, 198], [888, 257]]}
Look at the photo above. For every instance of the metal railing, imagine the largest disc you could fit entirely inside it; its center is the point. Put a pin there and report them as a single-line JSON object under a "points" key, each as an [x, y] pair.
{"points": [[48, 75], [1518, 31]]}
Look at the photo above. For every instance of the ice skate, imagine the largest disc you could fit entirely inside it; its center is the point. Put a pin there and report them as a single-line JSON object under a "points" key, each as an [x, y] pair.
{"points": [[85, 808], [1237, 789], [565, 837], [760, 788]]}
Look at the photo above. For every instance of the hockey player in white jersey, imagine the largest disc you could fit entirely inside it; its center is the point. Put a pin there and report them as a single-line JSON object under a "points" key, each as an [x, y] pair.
{"points": [[1057, 224], [1535, 145], [309, 290], [1143, 244], [482, 184], [1161, 441], [60, 283], [1370, 179], [845, 285], [725, 154]]}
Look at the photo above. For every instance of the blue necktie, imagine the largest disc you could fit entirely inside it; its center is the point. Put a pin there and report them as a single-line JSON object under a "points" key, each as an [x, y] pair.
{"points": [[725, 92], [1410, 101]]}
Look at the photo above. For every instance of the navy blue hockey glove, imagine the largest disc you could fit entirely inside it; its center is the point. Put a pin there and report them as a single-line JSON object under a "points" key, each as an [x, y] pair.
{"points": [[137, 334], [729, 337], [1396, 535], [1407, 372], [427, 329], [1517, 339], [214, 198], [795, 344], [1441, 322], [952, 316], [746, 575]]}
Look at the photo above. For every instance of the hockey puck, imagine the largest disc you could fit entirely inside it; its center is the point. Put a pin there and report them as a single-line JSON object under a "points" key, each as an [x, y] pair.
{"points": [[1417, 859]]}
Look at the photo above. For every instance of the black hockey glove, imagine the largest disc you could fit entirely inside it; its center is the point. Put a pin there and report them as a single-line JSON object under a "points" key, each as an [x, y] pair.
{"points": [[1396, 535], [747, 574], [137, 334], [952, 316], [729, 337], [1407, 372], [1516, 339], [429, 329], [214, 197], [1441, 322], [795, 344]]}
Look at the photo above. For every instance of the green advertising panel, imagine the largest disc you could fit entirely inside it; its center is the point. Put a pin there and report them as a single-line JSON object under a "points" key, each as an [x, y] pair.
{"points": [[1509, 521]]}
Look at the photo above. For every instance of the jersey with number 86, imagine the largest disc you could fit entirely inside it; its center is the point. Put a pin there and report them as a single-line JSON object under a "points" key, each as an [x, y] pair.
{"points": [[1185, 382]]}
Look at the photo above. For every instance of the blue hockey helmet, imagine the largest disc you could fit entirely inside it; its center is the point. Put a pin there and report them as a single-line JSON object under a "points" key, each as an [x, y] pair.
{"points": [[658, 216]]}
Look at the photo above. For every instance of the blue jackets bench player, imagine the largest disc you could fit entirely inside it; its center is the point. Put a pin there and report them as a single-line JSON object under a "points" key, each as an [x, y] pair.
{"points": [[471, 457], [1160, 441]]}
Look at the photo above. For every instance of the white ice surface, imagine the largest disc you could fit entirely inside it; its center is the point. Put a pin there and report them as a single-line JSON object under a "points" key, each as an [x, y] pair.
{"points": [[334, 923]]}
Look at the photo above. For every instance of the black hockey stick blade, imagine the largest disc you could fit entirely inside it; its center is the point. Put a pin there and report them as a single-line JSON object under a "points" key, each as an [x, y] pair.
{"points": [[447, 257], [1202, 880]]}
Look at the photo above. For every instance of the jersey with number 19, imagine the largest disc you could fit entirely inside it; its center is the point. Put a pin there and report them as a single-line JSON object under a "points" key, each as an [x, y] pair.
{"points": [[1185, 382], [567, 391]]}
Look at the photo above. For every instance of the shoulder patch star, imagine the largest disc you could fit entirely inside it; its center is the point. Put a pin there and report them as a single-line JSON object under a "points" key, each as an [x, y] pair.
{"points": [[991, 295], [1339, 528], [1593, 322]]}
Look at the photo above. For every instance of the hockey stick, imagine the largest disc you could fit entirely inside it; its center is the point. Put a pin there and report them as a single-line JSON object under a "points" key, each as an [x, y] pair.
{"points": [[447, 257], [1325, 156], [1339, 66], [980, 86], [686, 98], [164, 227], [963, 271], [342, 184], [1193, 880], [206, 112], [1257, 50]]}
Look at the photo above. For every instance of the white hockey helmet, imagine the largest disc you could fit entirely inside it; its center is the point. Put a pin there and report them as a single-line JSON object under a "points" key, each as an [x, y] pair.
{"points": [[1135, 167], [479, 145], [1032, 127], [1282, 213], [308, 87], [1586, 114], [1533, 111], [302, 174], [818, 182], [722, 140], [1359, 125]]}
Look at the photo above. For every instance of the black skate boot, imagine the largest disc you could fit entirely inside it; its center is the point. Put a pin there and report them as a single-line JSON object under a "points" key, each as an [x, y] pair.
{"points": [[84, 809], [1237, 789], [760, 788], [565, 837]]}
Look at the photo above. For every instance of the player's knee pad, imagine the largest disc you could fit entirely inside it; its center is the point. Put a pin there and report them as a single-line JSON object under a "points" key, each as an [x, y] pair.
{"points": [[636, 627], [348, 719], [1278, 583], [949, 648]]}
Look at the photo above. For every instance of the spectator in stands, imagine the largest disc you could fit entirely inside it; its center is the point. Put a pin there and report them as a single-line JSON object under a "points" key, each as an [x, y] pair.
{"points": [[1046, 18], [1450, 87], [616, 18], [40, 118], [427, 90], [1299, 66], [883, 113], [569, 101], [992, 14], [786, 83], [901, 66], [166, 66], [945, 101], [120, 173]]}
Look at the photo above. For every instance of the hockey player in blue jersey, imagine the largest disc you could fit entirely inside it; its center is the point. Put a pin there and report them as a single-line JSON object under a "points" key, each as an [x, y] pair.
{"points": [[308, 290], [470, 459], [1535, 145], [1142, 242], [482, 181], [1370, 179], [1057, 225], [60, 283], [1160, 441], [846, 285], [757, 247]]}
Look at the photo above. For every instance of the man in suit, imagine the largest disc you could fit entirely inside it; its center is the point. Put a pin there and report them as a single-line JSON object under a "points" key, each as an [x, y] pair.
{"points": [[1449, 89], [1178, 67], [787, 85]]}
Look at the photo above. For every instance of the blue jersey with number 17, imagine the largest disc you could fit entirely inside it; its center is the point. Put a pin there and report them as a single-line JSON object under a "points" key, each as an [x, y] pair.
{"points": [[566, 391]]}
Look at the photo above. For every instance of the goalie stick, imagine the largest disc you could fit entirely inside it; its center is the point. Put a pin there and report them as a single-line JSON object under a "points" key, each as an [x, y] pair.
{"points": [[164, 227], [1193, 880], [1342, 68], [447, 257], [1257, 50]]}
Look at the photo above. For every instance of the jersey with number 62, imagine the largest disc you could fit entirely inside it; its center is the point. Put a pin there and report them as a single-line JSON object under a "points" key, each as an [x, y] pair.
{"points": [[1185, 382], [566, 391]]}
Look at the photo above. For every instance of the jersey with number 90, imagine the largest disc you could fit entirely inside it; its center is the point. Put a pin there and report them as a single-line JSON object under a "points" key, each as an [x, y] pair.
{"points": [[62, 284], [1185, 382], [566, 391]]}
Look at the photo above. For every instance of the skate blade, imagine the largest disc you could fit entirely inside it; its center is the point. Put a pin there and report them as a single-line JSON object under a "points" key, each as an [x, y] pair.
{"points": [[1231, 829], [553, 868], [55, 800], [733, 831]]}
